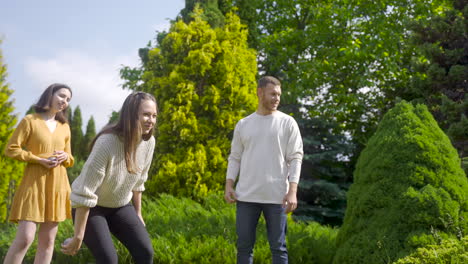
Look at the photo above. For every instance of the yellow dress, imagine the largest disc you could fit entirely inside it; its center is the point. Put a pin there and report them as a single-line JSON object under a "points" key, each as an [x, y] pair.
{"points": [[43, 194]]}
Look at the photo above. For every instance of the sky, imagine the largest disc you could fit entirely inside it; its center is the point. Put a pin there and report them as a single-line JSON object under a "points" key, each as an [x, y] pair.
{"points": [[82, 43]]}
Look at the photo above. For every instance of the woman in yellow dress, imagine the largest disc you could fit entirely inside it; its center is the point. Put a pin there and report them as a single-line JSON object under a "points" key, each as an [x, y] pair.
{"points": [[43, 196]]}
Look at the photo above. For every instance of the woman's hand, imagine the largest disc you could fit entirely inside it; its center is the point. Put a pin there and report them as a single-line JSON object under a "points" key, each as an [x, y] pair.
{"points": [[71, 246], [141, 218], [61, 156], [49, 163]]}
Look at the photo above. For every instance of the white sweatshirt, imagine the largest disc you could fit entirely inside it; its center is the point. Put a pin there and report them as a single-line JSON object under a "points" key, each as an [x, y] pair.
{"points": [[266, 153]]}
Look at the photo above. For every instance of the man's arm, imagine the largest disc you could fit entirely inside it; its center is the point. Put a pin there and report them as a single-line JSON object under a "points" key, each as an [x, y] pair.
{"points": [[233, 166], [290, 199], [229, 193]]}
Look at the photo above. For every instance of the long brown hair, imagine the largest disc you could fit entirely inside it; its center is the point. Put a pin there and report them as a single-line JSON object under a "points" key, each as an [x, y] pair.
{"points": [[128, 127], [43, 105]]}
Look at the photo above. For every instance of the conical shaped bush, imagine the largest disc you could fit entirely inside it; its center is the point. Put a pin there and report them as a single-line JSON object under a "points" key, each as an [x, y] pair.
{"points": [[409, 190]]}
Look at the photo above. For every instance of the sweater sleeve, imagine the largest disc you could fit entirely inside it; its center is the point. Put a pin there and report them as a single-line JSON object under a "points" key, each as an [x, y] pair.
{"points": [[140, 184], [14, 148], [294, 152], [94, 170], [234, 159], [70, 160]]}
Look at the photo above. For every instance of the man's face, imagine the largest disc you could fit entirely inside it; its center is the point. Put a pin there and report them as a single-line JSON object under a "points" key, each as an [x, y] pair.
{"points": [[269, 97]]}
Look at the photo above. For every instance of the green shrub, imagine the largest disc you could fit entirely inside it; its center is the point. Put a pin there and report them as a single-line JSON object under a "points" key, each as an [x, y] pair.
{"points": [[311, 243], [450, 251], [184, 231], [409, 191], [204, 81]]}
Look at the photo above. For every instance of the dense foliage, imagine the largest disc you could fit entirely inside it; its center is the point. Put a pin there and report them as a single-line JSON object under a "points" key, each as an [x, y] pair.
{"points": [[342, 62], [441, 71], [11, 171], [408, 183], [450, 251], [184, 231], [211, 12], [204, 82]]}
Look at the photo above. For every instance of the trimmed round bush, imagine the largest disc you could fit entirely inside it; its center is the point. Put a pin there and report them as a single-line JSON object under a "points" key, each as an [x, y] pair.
{"points": [[409, 191]]}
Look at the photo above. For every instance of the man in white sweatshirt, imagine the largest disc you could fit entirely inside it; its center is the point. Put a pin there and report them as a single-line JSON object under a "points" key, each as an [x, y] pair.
{"points": [[266, 154]]}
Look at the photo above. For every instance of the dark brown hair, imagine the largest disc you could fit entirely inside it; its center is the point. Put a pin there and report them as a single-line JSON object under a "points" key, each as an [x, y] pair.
{"points": [[265, 80], [43, 105], [128, 127]]}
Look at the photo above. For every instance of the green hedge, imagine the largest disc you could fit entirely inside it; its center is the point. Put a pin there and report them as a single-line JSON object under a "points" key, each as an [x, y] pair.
{"points": [[450, 251], [184, 231]]}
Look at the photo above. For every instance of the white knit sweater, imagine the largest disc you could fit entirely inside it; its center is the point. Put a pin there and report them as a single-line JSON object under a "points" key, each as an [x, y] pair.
{"points": [[104, 180], [266, 153]]}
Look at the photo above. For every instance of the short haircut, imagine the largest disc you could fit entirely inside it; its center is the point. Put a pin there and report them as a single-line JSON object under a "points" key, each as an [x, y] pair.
{"points": [[265, 80]]}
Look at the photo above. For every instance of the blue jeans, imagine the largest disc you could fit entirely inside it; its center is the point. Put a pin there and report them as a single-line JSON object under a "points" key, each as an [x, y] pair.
{"points": [[247, 216]]}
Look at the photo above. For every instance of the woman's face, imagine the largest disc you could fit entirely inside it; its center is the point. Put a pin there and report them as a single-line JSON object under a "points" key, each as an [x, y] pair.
{"points": [[147, 115], [60, 100]]}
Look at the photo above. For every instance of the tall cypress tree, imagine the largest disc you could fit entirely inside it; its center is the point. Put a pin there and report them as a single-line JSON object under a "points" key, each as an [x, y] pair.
{"points": [[10, 170], [408, 191], [70, 115], [77, 133], [88, 137], [114, 117]]}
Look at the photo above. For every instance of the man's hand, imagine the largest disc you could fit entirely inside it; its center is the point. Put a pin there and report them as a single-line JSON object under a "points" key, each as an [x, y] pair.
{"points": [[229, 193], [290, 199]]}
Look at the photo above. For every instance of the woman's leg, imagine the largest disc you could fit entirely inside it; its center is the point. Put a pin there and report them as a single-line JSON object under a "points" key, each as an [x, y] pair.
{"points": [[128, 228], [98, 238], [24, 237], [45, 242]]}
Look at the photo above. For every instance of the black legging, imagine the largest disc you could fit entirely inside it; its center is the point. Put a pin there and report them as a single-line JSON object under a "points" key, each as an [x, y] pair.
{"points": [[125, 225]]}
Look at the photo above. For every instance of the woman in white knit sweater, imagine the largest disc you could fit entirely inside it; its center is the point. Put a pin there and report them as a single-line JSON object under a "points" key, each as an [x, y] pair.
{"points": [[112, 177]]}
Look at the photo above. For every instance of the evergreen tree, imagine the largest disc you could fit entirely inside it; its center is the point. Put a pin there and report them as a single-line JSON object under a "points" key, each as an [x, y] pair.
{"points": [[30, 110], [11, 170], [76, 134], [88, 137], [114, 117], [204, 82], [441, 79], [70, 115], [409, 190], [325, 172], [211, 12]]}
